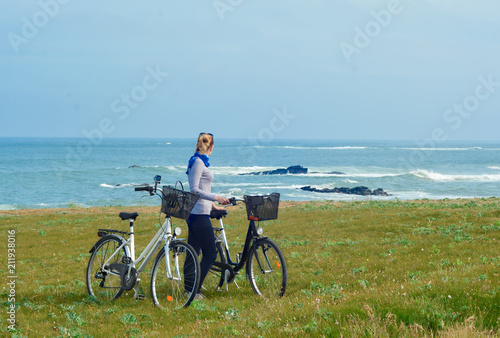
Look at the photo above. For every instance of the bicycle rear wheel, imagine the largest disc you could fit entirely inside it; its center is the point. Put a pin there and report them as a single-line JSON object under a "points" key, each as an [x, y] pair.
{"points": [[179, 289], [266, 269], [102, 282]]}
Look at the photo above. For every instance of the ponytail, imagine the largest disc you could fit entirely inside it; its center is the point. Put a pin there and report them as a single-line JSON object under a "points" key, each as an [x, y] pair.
{"points": [[205, 141]]}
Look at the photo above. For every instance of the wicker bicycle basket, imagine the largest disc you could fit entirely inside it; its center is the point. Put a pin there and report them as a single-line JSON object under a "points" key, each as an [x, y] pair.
{"points": [[263, 207], [178, 203]]}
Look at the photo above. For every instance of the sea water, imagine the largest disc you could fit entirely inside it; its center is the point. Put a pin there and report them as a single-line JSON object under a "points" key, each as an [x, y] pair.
{"points": [[61, 172]]}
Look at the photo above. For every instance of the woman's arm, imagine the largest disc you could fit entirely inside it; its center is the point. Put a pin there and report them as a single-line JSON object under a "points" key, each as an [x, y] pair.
{"points": [[214, 207]]}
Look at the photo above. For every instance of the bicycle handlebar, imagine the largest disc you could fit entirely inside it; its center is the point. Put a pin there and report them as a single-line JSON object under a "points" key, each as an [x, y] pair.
{"points": [[152, 190], [147, 188], [234, 200]]}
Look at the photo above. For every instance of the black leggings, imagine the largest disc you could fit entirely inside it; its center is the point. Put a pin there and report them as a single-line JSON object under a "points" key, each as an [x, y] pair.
{"points": [[201, 238]]}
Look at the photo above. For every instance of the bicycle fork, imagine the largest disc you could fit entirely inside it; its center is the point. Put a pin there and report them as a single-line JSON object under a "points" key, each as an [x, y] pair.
{"points": [[266, 260], [168, 239]]}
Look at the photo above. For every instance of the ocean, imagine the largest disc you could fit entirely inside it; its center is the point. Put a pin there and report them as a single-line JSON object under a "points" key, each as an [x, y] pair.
{"points": [[63, 172]]}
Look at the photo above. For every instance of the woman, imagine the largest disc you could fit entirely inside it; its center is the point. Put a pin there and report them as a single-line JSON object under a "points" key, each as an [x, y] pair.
{"points": [[201, 234]]}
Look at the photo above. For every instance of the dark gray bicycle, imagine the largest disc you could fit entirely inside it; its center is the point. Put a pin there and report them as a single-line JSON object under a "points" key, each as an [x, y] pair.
{"points": [[263, 259]]}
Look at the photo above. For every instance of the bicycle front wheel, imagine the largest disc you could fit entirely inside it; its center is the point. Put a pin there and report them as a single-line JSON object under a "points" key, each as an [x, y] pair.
{"points": [[266, 269], [102, 282], [175, 285]]}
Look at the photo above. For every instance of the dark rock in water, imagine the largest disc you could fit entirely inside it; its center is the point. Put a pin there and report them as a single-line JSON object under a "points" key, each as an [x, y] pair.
{"points": [[135, 166], [274, 172], [379, 192], [364, 191], [336, 173], [295, 169], [360, 191]]}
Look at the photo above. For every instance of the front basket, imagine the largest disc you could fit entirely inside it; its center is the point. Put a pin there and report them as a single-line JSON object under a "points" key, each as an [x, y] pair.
{"points": [[178, 203], [262, 207]]}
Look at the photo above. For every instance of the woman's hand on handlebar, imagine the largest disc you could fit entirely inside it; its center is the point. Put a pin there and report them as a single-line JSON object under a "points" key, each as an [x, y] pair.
{"points": [[222, 200]]}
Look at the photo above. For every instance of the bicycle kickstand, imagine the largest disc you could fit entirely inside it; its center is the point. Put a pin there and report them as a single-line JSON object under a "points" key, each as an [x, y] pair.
{"points": [[137, 295], [226, 276]]}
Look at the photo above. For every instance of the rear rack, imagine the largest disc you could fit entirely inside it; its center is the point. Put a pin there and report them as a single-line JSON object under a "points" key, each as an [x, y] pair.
{"points": [[104, 232]]}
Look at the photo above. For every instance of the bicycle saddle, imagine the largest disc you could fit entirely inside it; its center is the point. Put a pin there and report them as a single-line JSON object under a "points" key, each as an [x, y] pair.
{"points": [[128, 215], [218, 214]]}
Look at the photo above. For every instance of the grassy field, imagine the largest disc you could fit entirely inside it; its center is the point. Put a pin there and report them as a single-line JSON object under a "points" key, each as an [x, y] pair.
{"points": [[415, 268]]}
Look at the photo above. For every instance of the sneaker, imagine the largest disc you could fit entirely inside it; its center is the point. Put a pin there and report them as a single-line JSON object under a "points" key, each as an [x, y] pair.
{"points": [[199, 296]]}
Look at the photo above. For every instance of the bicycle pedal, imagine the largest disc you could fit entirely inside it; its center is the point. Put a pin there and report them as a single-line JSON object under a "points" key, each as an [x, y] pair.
{"points": [[140, 297]]}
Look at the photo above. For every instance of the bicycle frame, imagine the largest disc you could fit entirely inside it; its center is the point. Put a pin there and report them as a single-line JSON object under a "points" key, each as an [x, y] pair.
{"points": [[164, 233], [251, 237]]}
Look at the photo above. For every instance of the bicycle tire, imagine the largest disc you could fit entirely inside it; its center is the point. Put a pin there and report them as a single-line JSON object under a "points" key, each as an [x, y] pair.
{"points": [[215, 279], [173, 292], [101, 285], [266, 269]]}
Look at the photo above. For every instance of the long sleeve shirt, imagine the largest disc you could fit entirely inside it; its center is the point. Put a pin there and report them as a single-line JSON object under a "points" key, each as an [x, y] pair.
{"points": [[200, 182]]}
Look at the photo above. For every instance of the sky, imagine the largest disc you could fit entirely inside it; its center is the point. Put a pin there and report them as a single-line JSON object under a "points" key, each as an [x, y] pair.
{"points": [[422, 70]]}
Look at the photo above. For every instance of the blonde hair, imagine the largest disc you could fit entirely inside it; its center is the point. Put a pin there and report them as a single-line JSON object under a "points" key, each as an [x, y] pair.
{"points": [[205, 142]]}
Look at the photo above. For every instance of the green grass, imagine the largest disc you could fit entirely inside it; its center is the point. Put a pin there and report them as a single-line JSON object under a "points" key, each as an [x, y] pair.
{"points": [[416, 268]]}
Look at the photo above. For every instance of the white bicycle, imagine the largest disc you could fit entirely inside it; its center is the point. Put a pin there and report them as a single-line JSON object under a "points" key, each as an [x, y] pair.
{"points": [[175, 277]]}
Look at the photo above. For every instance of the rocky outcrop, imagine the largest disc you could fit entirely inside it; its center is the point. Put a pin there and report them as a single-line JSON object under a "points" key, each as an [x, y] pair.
{"points": [[295, 169], [350, 191]]}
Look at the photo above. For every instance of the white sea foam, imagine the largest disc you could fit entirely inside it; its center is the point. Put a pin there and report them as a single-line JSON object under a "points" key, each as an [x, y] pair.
{"points": [[349, 181], [138, 167], [324, 148], [246, 184], [441, 149], [312, 148], [179, 168], [348, 175], [374, 175], [117, 186], [7, 207], [238, 170], [494, 167], [433, 176]]}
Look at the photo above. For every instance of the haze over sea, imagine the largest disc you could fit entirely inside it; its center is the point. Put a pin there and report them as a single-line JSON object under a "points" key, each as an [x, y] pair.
{"points": [[61, 172]]}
